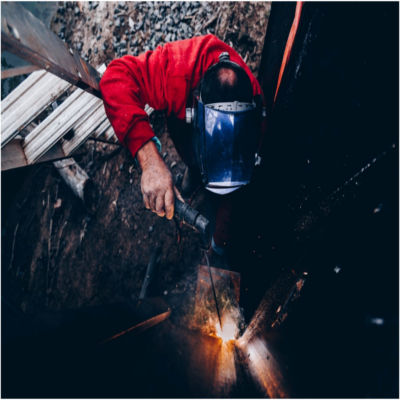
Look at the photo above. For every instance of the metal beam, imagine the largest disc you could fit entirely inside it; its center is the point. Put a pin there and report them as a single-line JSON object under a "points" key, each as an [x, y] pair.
{"points": [[27, 37]]}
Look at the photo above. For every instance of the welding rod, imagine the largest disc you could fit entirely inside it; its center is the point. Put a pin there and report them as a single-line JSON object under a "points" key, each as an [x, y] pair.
{"points": [[149, 272]]}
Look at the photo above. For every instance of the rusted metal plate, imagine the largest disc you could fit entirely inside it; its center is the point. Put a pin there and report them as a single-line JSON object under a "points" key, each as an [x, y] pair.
{"points": [[227, 293], [220, 276], [26, 36]]}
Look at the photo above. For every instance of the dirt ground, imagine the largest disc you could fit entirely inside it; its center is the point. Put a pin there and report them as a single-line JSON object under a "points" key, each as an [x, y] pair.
{"points": [[56, 254]]}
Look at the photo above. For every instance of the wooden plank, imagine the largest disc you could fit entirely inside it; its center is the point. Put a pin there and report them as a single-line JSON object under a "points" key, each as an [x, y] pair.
{"points": [[12, 72], [57, 124], [110, 134], [27, 37], [24, 106], [73, 175], [102, 128], [90, 126], [85, 127], [21, 89], [13, 156]]}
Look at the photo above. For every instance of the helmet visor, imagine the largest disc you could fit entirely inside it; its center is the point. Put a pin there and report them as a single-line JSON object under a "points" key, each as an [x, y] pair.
{"points": [[228, 137]]}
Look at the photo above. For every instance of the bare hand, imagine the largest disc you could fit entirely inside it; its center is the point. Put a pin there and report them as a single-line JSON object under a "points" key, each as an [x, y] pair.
{"points": [[156, 183]]}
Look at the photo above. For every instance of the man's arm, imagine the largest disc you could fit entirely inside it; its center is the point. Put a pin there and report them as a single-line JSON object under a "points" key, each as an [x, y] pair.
{"points": [[157, 185], [124, 100]]}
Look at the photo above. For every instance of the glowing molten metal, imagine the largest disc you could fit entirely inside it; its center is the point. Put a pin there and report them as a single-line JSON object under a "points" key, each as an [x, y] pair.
{"points": [[228, 331]]}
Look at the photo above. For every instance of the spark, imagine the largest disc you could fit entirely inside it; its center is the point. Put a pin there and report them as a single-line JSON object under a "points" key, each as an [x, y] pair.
{"points": [[228, 331]]}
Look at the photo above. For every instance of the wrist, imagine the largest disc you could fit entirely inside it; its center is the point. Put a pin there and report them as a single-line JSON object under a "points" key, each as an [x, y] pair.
{"points": [[147, 154]]}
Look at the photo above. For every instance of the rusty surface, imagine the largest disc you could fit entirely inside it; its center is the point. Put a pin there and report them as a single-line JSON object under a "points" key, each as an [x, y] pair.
{"points": [[227, 293], [27, 37]]}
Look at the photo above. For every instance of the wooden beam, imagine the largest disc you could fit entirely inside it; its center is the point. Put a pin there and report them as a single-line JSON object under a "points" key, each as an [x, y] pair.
{"points": [[74, 176], [13, 156], [10, 73]]}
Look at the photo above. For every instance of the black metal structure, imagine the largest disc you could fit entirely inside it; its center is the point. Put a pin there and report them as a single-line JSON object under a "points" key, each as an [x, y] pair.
{"points": [[335, 118]]}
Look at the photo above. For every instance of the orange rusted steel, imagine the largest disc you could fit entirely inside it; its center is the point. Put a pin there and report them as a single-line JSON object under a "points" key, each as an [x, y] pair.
{"points": [[289, 44]]}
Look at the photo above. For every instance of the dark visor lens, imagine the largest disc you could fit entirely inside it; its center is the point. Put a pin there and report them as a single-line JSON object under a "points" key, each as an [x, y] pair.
{"points": [[229, 145]]}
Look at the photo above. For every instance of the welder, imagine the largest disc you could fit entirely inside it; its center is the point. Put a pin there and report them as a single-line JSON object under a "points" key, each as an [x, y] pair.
{"points": [[214, 108]]}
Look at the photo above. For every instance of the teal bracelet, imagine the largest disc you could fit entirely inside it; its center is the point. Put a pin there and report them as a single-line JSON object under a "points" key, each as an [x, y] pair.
{"points": [[157, 142]]}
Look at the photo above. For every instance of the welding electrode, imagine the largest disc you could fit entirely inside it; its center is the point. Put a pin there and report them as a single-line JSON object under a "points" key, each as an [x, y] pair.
{"points": [[192, 217]]}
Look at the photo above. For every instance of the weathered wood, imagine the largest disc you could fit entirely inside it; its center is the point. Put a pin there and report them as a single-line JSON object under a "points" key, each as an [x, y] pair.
{"points": [[21, 89], [103, 128], [26, 36], [84, 128], [57, 124], [13, 155], [10, 73], [27, 101], [110, 134], [74, 176]]}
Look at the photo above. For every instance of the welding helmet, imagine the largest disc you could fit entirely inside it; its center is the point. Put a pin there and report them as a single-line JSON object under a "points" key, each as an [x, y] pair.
{"points": [[225, 137]]}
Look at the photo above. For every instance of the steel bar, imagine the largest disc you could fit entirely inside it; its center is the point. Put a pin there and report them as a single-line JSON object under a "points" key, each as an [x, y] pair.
{"points": [[149, 273], [27, 37], [140, 327], [213, 290]]}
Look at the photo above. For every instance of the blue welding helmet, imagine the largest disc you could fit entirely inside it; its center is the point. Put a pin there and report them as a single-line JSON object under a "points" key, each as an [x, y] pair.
{"points": [[225, 135], [225, 142]]}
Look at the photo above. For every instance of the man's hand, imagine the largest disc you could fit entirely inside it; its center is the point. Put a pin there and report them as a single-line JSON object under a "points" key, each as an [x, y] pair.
{"points": [[157, 186]]}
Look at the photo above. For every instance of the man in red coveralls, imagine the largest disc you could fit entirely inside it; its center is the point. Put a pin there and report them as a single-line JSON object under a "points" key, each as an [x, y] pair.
{"points": [[205, 82]]}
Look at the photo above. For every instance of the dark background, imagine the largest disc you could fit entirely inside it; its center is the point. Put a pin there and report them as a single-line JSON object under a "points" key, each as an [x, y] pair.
{"points": [[337, 109]]}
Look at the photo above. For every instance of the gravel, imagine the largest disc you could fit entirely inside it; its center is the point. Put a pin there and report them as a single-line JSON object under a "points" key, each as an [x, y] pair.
{"points": [[119, 28]]}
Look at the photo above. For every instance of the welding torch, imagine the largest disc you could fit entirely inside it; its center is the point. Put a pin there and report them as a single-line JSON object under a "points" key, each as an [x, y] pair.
{"points": [[199, 222], [193, 218]]}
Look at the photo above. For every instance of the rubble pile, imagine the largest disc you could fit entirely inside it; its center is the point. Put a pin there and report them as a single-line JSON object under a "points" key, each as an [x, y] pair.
{"points": [[101, 31]]}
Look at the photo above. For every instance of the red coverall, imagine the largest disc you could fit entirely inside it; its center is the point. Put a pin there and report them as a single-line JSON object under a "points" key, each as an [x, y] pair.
{"points": [[164, 79]]}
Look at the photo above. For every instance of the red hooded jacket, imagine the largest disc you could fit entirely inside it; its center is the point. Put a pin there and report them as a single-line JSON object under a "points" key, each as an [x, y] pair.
{"points": [[163, 79]]}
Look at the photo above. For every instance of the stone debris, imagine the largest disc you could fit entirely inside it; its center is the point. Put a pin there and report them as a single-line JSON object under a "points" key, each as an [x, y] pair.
{"points": [[120, 28]]}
